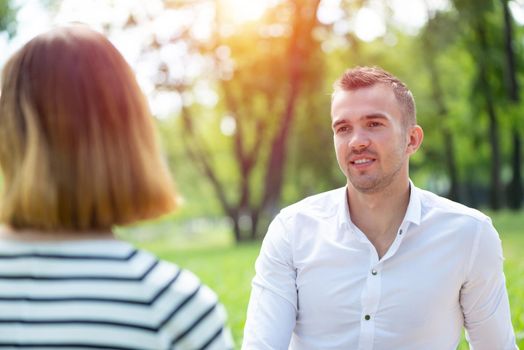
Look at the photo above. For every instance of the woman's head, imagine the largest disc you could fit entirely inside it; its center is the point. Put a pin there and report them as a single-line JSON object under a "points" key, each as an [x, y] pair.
{"points": [[77, 146]]}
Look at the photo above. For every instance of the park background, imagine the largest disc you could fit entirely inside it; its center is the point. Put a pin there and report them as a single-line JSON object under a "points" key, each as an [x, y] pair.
{"points": [[240, 91]]}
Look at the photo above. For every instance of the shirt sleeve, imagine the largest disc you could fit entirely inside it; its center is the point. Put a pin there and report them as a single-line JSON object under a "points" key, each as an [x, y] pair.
{"points": [[484, 298], [272, 309]]}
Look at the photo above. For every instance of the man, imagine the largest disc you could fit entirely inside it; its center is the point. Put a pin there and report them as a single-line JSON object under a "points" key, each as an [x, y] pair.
{"points": [[379, 264]]}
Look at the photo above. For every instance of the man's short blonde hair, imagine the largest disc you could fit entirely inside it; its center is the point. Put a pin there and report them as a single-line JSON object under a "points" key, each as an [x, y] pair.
{"points": [[77, 143], [362, 77]]}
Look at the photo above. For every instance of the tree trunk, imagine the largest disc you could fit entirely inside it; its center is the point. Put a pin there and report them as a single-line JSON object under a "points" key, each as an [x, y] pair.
{"points": [[300, 44], [496, 182], [236, 228], [442, 110], [511, 72], [515, 192], [254, 224], [496, 163]]}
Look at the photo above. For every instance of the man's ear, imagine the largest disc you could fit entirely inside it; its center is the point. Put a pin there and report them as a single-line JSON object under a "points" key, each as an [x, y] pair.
{"points": [[415, 135]]}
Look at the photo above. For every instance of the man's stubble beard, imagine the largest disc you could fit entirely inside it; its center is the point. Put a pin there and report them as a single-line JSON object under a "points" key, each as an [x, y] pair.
{"points": [[379, 183]]}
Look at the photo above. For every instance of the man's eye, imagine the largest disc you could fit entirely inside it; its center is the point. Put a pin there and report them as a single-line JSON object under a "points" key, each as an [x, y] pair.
{"points": [[374, 124], [342, 129]]}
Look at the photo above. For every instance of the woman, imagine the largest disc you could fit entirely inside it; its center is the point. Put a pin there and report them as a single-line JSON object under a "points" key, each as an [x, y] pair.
{"points": [[78, 157]]}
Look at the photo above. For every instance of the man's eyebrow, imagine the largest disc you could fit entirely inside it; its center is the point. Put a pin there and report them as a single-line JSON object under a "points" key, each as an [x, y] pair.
{"points": [[375, 116], [338, 122], [364, 117]]}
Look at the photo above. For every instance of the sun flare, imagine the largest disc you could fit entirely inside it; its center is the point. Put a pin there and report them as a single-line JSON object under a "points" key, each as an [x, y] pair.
{"points": [[244, 10]]}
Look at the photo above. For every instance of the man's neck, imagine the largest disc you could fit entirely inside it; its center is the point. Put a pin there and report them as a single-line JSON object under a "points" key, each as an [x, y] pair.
{"points": [[379, 215]]}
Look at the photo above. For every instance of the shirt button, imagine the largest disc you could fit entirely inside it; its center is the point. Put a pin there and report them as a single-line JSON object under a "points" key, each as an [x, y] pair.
{"points": [[400, 232], [374, 272], [367, 317]]}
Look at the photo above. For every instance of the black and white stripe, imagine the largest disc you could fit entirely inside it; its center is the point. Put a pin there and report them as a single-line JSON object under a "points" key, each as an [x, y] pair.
{"points": [[107, 296]]}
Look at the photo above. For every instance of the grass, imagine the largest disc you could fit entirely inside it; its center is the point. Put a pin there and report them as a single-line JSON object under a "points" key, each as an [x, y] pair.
{"points": [[511, 229], [228, 269]]}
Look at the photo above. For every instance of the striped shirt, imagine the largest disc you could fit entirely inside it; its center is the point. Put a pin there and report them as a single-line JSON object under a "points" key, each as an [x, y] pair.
{"points": [[103, 294]]}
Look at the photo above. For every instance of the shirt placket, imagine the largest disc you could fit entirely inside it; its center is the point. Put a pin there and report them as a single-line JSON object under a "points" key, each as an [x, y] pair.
{"points": [[370, 299], [371, 293]]}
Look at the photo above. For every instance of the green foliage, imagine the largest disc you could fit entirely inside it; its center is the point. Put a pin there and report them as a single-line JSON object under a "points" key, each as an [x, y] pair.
{"points": [[7, 17], [195, 193], [311, 165], [440, 64]]}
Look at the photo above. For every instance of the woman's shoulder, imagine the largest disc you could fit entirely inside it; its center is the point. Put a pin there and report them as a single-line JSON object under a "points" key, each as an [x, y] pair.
{"points": [[195, 318]]}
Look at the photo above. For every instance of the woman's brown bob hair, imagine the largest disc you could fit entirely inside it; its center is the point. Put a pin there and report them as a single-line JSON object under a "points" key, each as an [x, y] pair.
{"points": [[77, 142]]}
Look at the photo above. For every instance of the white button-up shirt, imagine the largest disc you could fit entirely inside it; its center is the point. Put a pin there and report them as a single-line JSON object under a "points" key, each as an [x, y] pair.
{"points": [[320, 284]]}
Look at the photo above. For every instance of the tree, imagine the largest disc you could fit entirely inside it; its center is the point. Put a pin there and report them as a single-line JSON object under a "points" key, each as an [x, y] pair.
{"points": [[435, 38], [476, 27], [515, 192], [261, 98]]}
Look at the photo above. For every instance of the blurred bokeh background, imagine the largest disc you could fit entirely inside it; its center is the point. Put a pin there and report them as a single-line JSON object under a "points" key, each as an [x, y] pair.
{"points": [[240, 91]]}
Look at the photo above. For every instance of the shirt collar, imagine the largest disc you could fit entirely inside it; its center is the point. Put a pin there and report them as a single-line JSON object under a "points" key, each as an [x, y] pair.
{"points": [[343, 218], [413, 212]]}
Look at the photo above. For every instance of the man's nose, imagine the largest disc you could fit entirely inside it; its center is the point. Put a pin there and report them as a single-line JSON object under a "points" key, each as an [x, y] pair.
{"points": [[359, 140]]}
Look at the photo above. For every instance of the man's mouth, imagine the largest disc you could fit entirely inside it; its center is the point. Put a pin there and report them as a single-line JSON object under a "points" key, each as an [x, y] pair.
{"points": [[362, 161]]}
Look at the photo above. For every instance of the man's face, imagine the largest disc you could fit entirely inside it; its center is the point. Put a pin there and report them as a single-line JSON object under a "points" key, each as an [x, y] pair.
{"points": [[371, 140]]}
